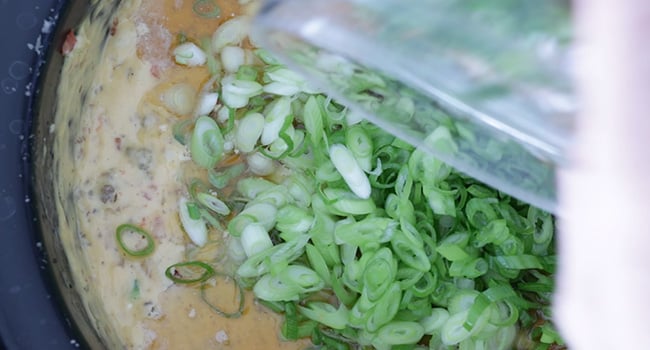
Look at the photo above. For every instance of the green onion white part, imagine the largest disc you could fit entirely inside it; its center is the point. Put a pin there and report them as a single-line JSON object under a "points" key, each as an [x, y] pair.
{"points": [[276, 115], [352, 173], [260, 164], [231, 32], [255, 239], [179, 98], [188, 54], [195, 228], [232, 57], [249, 131], [236, 93], [207, 103], [207, 143]]}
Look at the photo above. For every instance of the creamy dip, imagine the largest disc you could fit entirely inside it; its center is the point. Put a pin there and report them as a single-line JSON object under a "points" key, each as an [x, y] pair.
{"points": [[118, 162]]}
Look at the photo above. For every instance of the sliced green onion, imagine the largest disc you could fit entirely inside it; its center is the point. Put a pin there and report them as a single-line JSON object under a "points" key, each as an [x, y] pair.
{"points": [[304, 278], [281, 89], [440, 201], [379, 274], [237, 224], [360, 144], [386, 308], [206, 146], [232, 57], [469, 268], [410, 254], [231, 32], [425, 285], [495, 232], [396, 333], [276, 196], [343, 202], [277, 307], [480, 211], [454, 332], [435, 321], [290, 325], [283, 82], [346, 297], [479, 309], [318, 263], [284, 75], [135, 291], [179, 98], [188, 54], [326, 172], [240, 301], [249, 131], [350, 170], [213, 203], [207, 103], [264, 213], [180, 130], [272, 288], [266, 57], [193, 225], [235, 250], [260, 164], [408, 277], [506, 314], [206, 8], [236, 93], [288, 251], [130, 238], [258, 264], [255, 239], [453, 246], [518, 262], [251, 187], [189, 272], [327, 314], [293, 219], [193, 211], [278, 112], [247, 72], [313, 120], [370, 231]]}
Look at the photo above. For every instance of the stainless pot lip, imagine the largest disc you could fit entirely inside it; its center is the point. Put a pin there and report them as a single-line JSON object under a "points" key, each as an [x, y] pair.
{"points": [[31, 316]]}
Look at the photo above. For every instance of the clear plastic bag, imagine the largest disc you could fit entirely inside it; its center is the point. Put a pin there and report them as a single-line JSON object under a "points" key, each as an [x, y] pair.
{"points": [[482, 85]]}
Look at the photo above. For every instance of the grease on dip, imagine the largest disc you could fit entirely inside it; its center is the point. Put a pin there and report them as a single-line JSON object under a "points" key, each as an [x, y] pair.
{"points": [[118, 163]]}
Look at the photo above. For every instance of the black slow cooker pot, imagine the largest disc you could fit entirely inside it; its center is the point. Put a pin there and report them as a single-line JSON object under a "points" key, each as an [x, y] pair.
{"points": [[39, 308]]}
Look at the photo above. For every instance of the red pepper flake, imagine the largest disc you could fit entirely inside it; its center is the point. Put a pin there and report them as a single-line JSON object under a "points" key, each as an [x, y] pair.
{"points": [[113, 28], [118, 143], [68, 43]]}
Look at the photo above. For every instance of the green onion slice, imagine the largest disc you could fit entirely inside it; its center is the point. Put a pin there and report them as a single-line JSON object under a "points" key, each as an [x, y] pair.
{"points": [[206, 8], [213, 203], [326, 314], [240, 300], [400, 332], [189, 272], [134, 240], [206, 144]]}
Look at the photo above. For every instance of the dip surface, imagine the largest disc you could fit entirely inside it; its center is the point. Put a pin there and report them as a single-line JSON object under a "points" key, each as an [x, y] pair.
{"points": [[118, 162]]}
